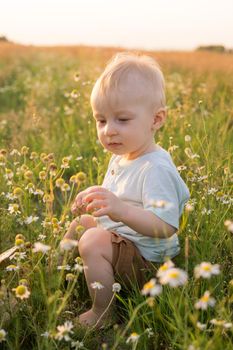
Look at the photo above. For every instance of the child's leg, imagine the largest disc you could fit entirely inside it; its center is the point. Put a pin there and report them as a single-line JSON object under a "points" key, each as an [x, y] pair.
{"points": [[85, 220], [95, 248]]}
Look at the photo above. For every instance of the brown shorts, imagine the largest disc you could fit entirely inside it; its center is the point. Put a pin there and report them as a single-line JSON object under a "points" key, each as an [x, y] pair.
{"points": [[129, 265]]}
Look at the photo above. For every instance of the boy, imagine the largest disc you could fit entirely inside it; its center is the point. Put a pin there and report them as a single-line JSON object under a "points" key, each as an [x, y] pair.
{"points": [[136, 210]]}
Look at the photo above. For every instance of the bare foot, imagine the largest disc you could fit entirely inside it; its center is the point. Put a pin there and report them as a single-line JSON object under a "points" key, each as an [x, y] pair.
{"points": [[90, 318]]}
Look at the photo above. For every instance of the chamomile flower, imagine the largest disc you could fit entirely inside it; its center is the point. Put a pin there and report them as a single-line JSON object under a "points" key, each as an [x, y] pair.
{"points": [[31, 219], [201, 326], [68, 244], [151, 288], [64, 331], [64, 267], [221, 323], [21, 292], [40, 247], [116, 287], [205, 301], [70, 277], [174, 277], [12, 268], [77, 344], [3, 334], [187, 138], [167, 265], [206, 270], [133, 338], [14, 209], [97, 285]]}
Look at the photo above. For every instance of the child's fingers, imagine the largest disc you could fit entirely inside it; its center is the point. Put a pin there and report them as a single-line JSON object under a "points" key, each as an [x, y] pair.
{"points": [[94, 195], [96, 204], [100, 212]]}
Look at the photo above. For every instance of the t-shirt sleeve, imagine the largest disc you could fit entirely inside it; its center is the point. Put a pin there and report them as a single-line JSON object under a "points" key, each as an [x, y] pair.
{"points": [[160, 194]]}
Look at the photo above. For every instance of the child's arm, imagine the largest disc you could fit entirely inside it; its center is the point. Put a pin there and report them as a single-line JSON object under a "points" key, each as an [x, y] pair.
{"points": [[103, 202]]}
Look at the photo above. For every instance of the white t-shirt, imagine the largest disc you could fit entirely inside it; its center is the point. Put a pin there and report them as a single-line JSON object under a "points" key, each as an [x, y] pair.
{"points": [[143, 182]]}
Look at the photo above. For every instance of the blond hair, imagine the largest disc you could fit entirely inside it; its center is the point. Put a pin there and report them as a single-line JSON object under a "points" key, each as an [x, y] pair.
{"points": [[122, 65]]}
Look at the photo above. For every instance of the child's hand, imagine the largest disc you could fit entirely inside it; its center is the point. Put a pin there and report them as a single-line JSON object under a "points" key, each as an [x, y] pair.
{"points": [[101, 201], [79, 206]]}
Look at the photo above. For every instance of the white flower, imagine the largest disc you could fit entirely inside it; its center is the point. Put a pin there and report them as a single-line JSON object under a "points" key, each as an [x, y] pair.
{"points": [[181, 167], [68, 244], [18, 256], [97, 285], [78, 267], [187, 138], [167, 265], [172, 148], [149, 332], [12, 268], [45, 334], [40, 247], [204, 301], [151, 288], [190, 154], [3, 334], [10, 196], [15, 152], [206, 270], [21, 292], [77, 345], [227, 325], [133, 338], [14, 209], [41, 237], [116, 287], [221, 323], [201, 326], [174, 277], [205, 211], [192, 347], [64, 267], [31, 219], [212, 190], [64, 331]]}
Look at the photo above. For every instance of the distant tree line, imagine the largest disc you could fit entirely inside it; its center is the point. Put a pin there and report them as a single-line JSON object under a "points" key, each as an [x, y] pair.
{"points": [[4, 38], [215, 48]]}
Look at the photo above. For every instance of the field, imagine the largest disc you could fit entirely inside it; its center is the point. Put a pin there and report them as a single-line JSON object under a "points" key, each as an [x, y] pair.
{"points": [[47, 135]]}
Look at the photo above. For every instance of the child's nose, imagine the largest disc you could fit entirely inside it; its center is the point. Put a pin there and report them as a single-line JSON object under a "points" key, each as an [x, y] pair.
{"points": [[110, 129]]}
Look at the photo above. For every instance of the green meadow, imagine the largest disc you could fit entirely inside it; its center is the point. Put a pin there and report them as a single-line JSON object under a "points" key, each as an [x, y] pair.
{"points": [[49, 152]]}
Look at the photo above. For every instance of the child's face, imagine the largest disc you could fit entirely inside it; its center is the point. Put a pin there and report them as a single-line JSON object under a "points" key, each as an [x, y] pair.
{"points": [[125, 121]]}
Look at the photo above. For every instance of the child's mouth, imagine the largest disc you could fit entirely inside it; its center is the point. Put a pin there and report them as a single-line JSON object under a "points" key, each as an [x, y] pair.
{"points": [[114, 144]]}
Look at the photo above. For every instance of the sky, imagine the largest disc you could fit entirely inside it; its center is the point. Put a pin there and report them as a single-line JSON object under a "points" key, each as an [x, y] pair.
{"points": [[139, 24]]}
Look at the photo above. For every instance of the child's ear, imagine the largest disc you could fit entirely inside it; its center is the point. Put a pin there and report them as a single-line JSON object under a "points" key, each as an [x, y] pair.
{"points": [[159, 118]]}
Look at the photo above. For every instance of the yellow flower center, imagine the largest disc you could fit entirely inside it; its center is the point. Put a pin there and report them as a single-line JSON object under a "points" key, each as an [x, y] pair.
{"points": [[163, 268], [174, 274], [148, 285], [21, 290], [205, 298], [206, 268], [134, 334]]}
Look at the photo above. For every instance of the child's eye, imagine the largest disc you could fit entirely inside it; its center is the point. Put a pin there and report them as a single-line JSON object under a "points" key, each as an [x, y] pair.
{"points": [[101, 121], [123, 120]]}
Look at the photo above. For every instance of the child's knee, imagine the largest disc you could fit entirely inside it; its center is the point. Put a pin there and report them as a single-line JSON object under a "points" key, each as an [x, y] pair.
{"points": [[95, 241]]}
